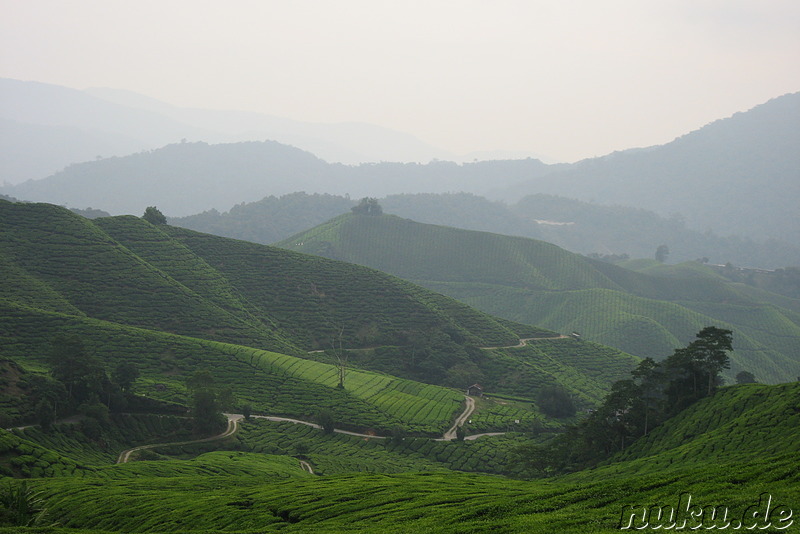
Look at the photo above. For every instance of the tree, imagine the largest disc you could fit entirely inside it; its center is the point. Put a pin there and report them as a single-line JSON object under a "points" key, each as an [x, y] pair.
{"points": [[657, 391], [341, 356], [325, 420], [368, 206], [124, 375], [42, 388], [81, 373], [205, 411], [711, 350], [45, 413], [662, 252], [206, 406], [555, 401], [154, 216], [745, 377]]}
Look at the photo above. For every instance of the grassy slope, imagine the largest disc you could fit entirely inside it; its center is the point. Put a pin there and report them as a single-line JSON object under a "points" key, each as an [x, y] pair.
{"points": [[206, 287], [313, 297], [647, 313], [735, 425], [726, 450], [77, 260], [273, 383]]}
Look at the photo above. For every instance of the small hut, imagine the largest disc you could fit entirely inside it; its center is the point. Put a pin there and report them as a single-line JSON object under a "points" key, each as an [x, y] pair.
{"points": [[475, 390]]}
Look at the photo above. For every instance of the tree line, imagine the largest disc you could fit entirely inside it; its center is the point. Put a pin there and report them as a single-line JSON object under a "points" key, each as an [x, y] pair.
{"points": [[655, 392]]}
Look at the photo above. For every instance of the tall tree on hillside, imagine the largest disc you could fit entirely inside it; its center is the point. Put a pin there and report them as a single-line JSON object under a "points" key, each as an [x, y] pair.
{"points": [[658, 390], [205, 403], [341, 356], [81, 373], [124, 375], [154, 216], [368, 206]]}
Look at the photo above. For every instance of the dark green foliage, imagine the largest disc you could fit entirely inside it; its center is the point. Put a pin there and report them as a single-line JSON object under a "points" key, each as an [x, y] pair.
{"points": [[81, 373], [21, 505], [154, 216], [656, 392], [368, 206], [325, 420], [45, 413], [125, 375], [555, 401], [745, 377], [206, 411]]}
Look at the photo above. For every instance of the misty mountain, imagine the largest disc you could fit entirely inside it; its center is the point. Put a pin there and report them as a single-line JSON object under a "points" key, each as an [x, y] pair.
{"points": [[577, 226], [739, 175], [186, 178], [45, 127], [180, 179], [348, 142]]}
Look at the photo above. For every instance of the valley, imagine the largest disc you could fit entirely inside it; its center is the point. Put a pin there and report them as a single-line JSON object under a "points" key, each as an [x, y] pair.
{"points": [[343, 387], [471, 352]]}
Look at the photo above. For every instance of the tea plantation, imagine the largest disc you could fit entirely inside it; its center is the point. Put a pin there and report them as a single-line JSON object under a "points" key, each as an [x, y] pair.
{"points": [[280, 333]]}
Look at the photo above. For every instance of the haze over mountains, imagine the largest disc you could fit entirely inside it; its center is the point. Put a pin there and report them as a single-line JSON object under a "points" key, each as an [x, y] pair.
{"points": [[317, 334], [46, 127], [739, 175], [605, 231]]}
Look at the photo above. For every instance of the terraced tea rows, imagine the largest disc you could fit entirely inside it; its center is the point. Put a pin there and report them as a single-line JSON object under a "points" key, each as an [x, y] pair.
{"points": [[648, 314]]}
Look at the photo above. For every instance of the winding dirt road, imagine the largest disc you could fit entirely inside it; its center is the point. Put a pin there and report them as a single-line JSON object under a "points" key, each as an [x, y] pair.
{"points": [[451, 434], [233, 426], [524, 341], [235, 418]]}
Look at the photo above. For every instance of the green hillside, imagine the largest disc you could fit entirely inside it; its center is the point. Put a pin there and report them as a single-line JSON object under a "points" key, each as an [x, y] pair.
{"points": [[267, 323], [648, 314], [727, 451], [736, 424]]}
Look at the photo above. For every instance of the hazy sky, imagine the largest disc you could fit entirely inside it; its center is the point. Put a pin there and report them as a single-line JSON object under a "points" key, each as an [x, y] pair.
{"points": [[563, 78]]}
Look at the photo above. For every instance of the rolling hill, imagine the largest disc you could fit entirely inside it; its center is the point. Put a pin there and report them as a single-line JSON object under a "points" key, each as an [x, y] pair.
{"points": [[173, 301], [709, 452], [534, 282], [97, 279], [581, 227]]}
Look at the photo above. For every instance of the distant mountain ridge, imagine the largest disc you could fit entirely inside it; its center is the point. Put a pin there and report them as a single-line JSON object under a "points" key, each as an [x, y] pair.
{"points": [[185, 178], [739, 175], [46, 127], [571, 224]]}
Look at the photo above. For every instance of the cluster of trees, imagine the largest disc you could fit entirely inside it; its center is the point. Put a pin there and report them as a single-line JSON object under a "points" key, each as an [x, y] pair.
{"points": [[78, 383], [368, 206], [154, 216], [208, 399], [655, 392]]}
